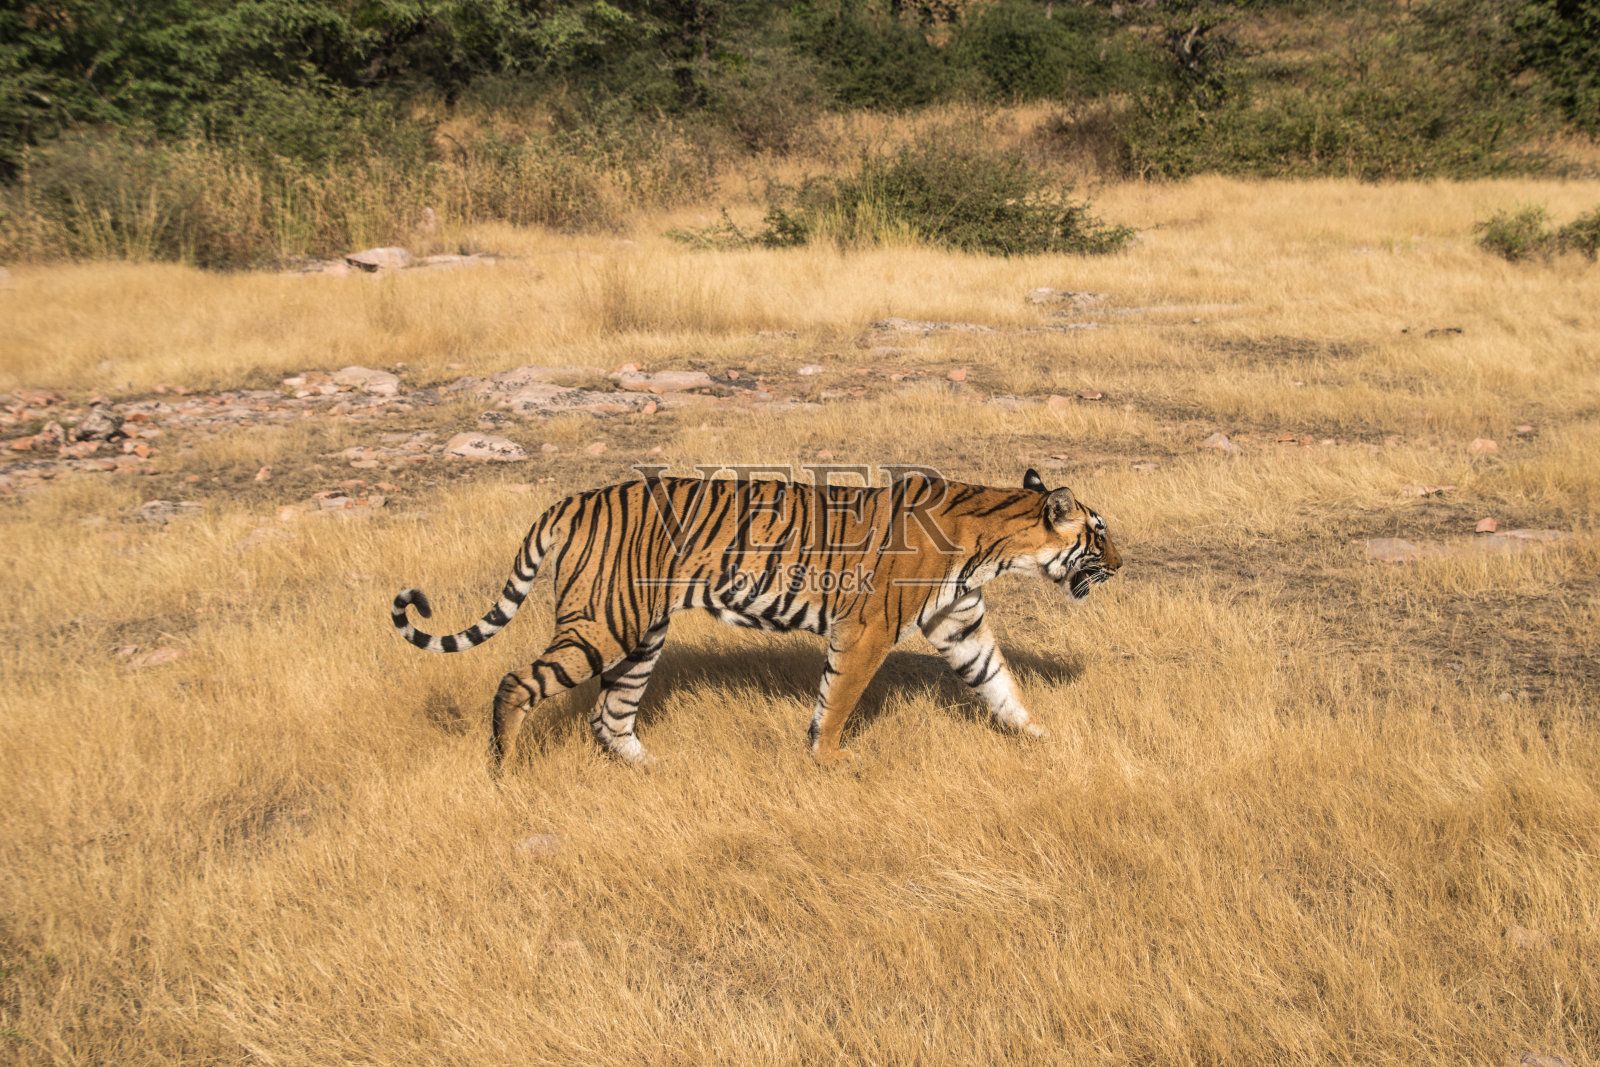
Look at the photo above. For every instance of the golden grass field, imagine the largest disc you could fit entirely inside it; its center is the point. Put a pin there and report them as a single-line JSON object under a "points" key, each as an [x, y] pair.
{"points": [[1296, 806]]}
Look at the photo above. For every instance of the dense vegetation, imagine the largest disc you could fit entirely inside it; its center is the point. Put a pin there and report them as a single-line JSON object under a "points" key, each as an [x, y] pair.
{"points": [[238, 132]]}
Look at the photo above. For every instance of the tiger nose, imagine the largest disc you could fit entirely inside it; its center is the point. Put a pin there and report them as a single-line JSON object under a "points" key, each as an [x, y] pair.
{"points": [[1113, 559]]}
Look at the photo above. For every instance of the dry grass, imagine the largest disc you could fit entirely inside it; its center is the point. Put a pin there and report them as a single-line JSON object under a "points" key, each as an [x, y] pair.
{"points": [[1292, 805]]}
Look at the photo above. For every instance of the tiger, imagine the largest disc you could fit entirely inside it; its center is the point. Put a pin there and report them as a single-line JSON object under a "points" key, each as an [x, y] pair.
{"points": [[862, 566]]}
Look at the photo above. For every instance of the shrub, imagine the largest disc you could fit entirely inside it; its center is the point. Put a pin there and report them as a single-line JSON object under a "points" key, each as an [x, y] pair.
{"points": [[114, 195], [948, 194], [1517, 235], [1582, 235]]}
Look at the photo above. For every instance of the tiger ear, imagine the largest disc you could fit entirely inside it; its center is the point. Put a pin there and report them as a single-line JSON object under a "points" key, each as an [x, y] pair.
{"points": [[1031, 480], [1059, 506]]}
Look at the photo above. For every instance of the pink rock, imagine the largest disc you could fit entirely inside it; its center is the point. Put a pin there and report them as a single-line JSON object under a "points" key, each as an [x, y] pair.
{"points": [[1221, 443], [959, 374], [597, 448], [1482, 446], [1486, 526], [1393, 550]]}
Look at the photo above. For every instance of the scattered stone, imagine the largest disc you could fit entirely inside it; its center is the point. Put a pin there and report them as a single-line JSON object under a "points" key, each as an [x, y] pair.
{"points": [[545, 399], [733, 374], [1076, 299], [376, 259], [263, 474], [374, 382], [958, 374], [824, 454], [522, 377], [162, 512], [1482, 446], [451, 262], [1220, 442], [809, 370], [924, 327], [1393, 550], [1536, 1059], [539, 846], [1524, 939], [665, 381], [101, 424], [549, 449], [142, 658], [596, 449], [484, 448], [1486, 526], [1524, 429], [1093, 394]]}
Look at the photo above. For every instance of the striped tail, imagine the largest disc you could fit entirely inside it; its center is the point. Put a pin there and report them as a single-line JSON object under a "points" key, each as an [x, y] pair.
{"points": [[523, 571]]}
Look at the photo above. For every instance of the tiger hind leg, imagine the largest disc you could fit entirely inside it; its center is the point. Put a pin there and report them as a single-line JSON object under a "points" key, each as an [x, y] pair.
{"points": [[566, 664], [622, 687]]}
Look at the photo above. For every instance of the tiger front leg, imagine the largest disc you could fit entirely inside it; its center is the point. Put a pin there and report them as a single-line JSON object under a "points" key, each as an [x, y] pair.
{"points": [[852, 661], [961, 634]]}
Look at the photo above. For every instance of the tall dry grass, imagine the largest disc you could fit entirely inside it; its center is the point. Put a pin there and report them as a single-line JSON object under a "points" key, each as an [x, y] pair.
{"points": [[1296, 808]]}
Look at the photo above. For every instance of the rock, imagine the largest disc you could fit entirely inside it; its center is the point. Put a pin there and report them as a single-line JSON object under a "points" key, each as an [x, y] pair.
{"points": [[1093, 394], [549, 449], [1393, 550], [1220, 442], [824, 454], [1523, 939], [101, 424], [545, 399], [375, 382], [809, 370], [50, 438], [1486, 526], [539, 846], [596, 449], [924, 327], [484, 448], [957, 374], [1535, 536], [1482, 446], [162, 512], [376, 259], [263, 474], [1536, 1059], [140, 659], [665, 381], [451, 262], [1077, 299], [1524, 429], [509, 381]]}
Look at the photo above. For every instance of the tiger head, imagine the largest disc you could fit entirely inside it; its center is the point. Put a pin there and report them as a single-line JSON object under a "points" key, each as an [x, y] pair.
{"points": [[1074, 548]]}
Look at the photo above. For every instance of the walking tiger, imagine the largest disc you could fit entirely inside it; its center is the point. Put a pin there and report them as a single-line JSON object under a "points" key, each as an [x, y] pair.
{"points": [[862, 566]]}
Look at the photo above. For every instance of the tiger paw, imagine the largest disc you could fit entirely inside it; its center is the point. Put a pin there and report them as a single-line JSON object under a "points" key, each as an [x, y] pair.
{"points": [[838, 757]]}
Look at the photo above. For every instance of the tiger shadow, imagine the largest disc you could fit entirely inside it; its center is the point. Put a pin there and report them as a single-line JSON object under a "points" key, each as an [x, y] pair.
{"points": [[792, 673]]}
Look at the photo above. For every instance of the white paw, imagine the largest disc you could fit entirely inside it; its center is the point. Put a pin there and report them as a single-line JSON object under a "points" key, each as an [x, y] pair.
{"points": [[1035, 731]]}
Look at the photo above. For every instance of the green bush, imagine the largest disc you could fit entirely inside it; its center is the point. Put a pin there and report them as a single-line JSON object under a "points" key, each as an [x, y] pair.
{"points": [[948, 194], [1561, 40], [1518, 235], [869, 57], [1582, 235]]}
